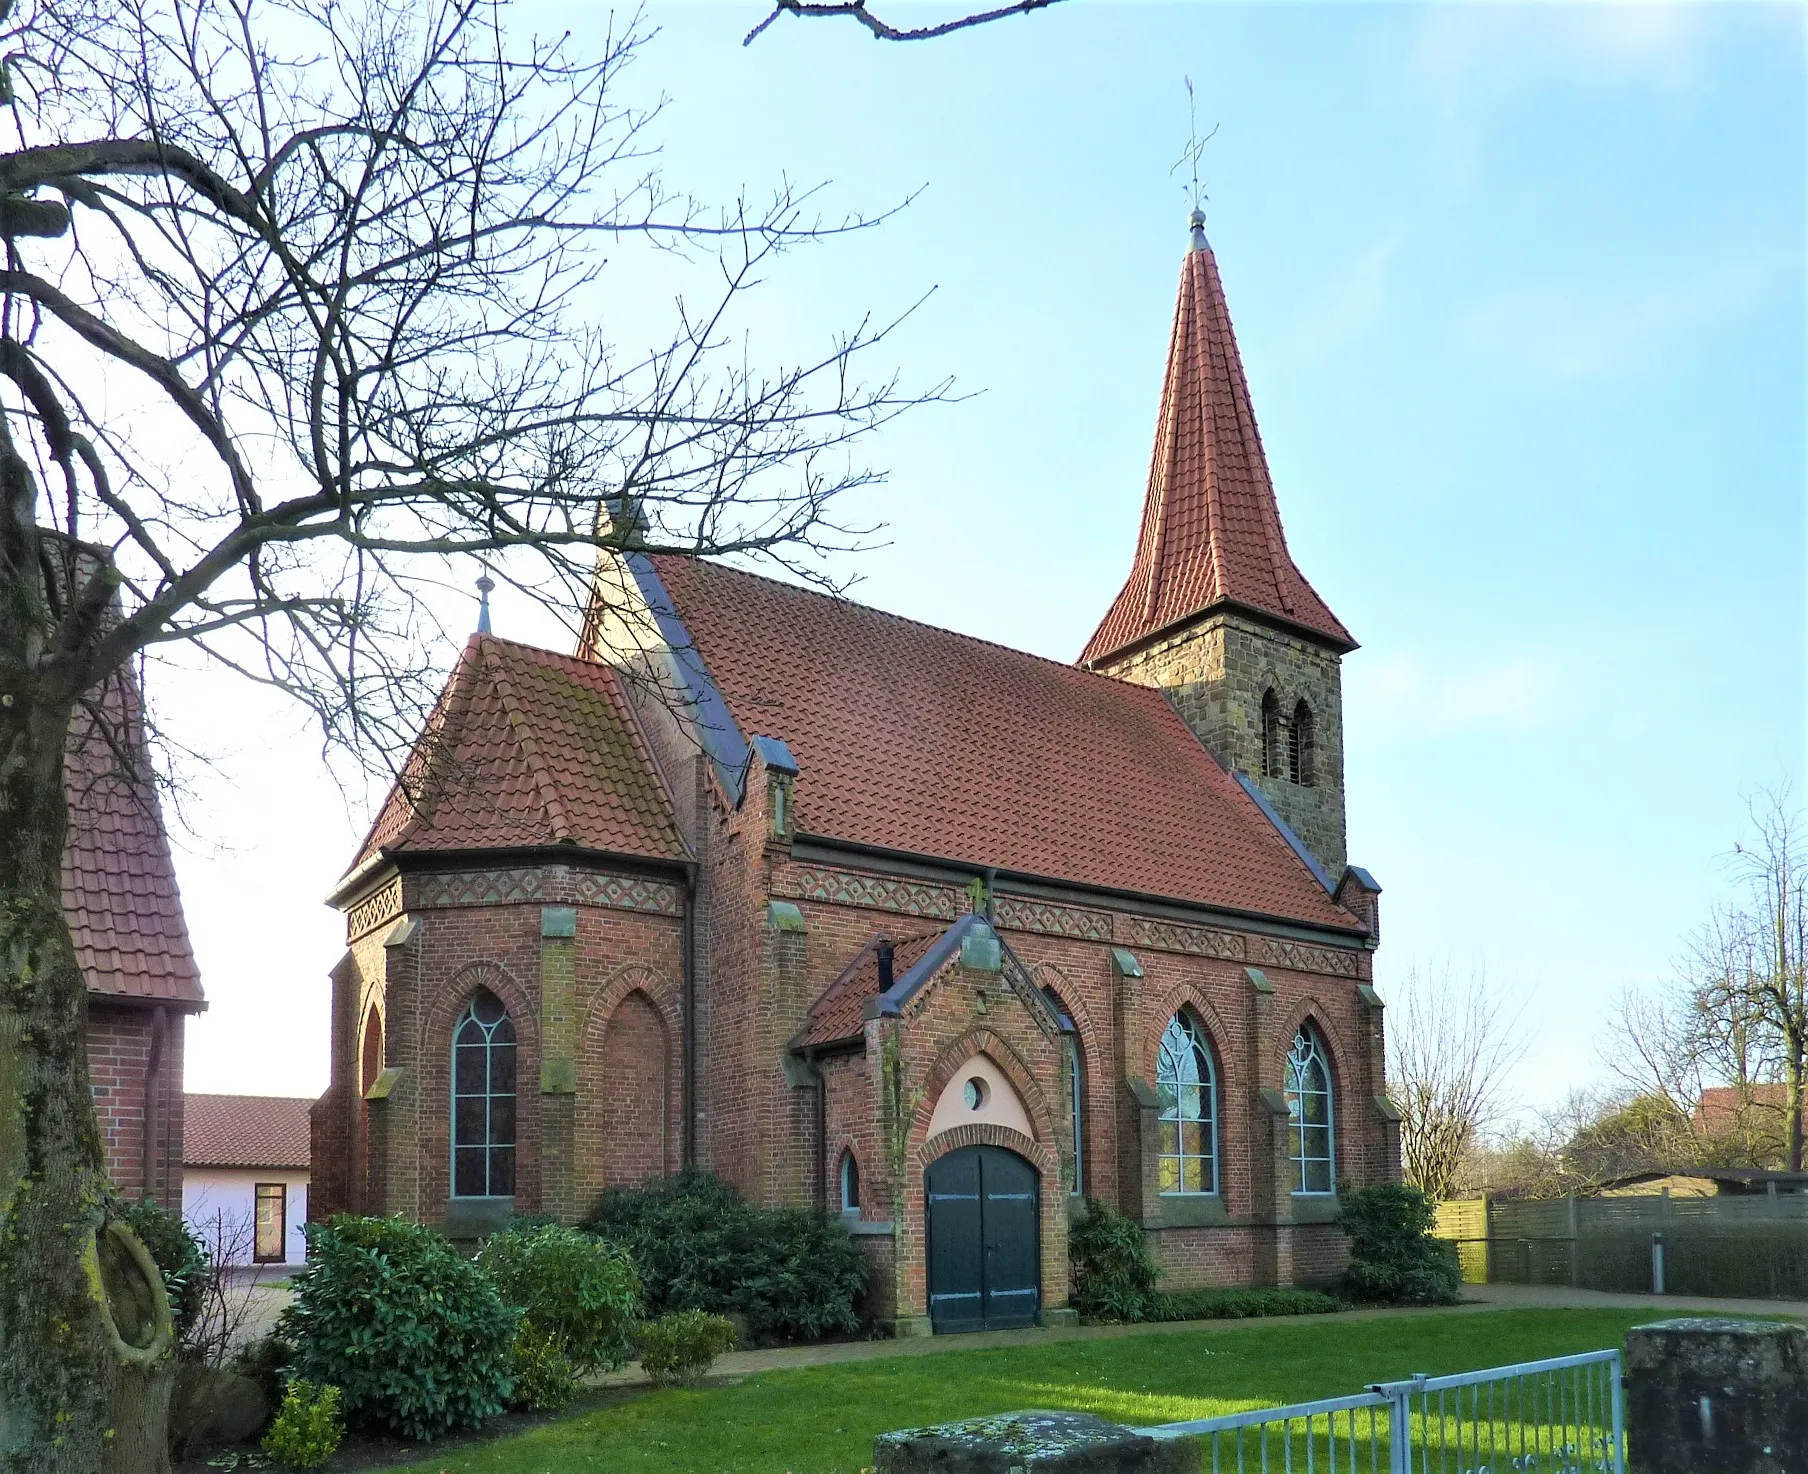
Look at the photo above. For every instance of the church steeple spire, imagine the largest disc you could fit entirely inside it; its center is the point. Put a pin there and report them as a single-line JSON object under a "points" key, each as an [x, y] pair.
{"points": [[1211, 531], [1214, 611]]}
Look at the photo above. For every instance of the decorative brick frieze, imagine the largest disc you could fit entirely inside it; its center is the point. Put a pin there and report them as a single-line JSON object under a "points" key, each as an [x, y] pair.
{"points": [[480, 888], [1174, 936], [373, 911], [1303, 958], [627, 893], [513, 887], [879, 893], [1018, 914]]}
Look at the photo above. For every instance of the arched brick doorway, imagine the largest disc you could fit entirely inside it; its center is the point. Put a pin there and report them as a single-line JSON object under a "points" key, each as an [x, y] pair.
{"points": [[985, 1240]]}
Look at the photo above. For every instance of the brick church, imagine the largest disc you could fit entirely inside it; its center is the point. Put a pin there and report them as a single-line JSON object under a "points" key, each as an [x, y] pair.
{"points": [[863, 913]]}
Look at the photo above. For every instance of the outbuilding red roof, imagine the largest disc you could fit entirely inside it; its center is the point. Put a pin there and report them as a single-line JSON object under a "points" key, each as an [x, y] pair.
{"points": [[529, 748], [245, 1131], [1211, 530], [911, 738], [119, 880]]}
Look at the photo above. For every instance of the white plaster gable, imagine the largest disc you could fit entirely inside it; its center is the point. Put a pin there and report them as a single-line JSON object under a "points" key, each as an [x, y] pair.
{"points": [[999, 1106]]}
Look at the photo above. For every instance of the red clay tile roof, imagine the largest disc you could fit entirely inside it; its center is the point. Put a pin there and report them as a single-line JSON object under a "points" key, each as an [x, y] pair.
{"points": [[119, 881], [528, 748], [245, 1131], [912, 738], [1211, 531], [840, 1012]]}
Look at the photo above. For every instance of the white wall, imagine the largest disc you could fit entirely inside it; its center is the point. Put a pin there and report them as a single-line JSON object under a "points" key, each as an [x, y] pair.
{"points": [[214, 1196]]}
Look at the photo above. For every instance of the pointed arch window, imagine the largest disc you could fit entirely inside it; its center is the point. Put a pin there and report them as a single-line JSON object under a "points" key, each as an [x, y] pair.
{"points": [[1309, 1115], [1299, 745], [483, 1100], [1271, 734], [1076, 1086], [1188, 1125], [850, 1183]]}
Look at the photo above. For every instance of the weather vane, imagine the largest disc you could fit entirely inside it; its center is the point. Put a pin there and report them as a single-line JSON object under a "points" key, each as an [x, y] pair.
{"points": [[1195, 146]]}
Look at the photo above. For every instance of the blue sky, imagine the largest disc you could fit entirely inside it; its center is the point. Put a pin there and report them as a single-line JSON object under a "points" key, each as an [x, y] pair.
{"points": [[1519, 293]]}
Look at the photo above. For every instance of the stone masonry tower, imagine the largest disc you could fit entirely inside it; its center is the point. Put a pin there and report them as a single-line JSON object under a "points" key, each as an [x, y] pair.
{"points": [[1214, 612]]}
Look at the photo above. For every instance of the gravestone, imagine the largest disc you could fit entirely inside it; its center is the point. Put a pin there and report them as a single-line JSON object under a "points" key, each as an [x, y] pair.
{"points": [[1032, 1443], [1717, 1396]]}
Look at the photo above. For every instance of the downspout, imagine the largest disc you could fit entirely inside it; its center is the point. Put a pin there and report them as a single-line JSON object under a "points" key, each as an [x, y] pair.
{"points": [[153, 1070], [687, 943], [991, 883], [822, 1129]]}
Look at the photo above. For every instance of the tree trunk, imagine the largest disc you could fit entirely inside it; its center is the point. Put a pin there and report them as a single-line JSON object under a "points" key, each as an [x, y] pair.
{"points": [[1795, 1110], [85, 1336]]}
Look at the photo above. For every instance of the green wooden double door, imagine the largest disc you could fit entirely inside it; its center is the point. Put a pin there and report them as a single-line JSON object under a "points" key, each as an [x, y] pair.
{"points": [[984, 1259]]}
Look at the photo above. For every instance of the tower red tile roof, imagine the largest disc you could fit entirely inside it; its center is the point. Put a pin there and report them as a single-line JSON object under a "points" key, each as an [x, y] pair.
{"points": [[119, 880], [528, 748], [245, 1131], [1211, 530], [911, 738]]}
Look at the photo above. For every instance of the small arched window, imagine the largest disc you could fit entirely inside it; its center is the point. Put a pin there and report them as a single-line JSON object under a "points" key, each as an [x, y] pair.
{"points": [[483, 1100], [1299, 745], [1309, 1114], [372, 1063], [1188, 1124], [1271, 734], [850, 1183], [1076, 1087]]}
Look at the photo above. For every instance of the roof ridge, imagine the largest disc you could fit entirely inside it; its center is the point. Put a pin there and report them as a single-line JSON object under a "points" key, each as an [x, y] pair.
{"points": [[451, 708], [922, 624], [523, 732]]}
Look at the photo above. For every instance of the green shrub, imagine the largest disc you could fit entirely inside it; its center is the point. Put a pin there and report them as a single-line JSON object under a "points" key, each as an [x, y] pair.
{"points": [[177, 1252], [264, 1361], [307, 1429], [677, 1349], [413, 1333], [1394, 1259], [791, 1274], [1241, 1304], [1113, 1271], [545, 1379], [570, 1287]]}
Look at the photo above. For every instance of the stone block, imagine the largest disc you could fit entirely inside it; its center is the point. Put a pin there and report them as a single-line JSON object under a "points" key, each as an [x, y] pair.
{"points": [[1717, 1396], [1031, 1443]]}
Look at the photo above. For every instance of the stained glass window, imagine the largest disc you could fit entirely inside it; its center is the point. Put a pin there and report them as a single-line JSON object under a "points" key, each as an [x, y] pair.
{"points": [[1309, 1115], [483, 1101], [1188, 1126]]}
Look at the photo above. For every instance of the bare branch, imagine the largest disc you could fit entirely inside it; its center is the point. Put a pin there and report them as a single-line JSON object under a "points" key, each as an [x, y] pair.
{"points": [[856, 10]]}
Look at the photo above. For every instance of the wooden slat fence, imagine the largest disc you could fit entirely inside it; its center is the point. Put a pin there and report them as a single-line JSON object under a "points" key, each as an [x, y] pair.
{"points": [[1752, 1246]]}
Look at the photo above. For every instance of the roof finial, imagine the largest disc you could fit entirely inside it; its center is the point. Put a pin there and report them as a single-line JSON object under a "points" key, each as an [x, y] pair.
{"points": [[484, 584], [1190, 155]]}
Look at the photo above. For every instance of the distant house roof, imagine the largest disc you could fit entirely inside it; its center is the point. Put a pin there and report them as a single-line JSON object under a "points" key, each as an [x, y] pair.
{"points": [[245, 1131], [1211, 531], [1720, 1105], [1725, 1179], [528, 748], [119, 880], [913, 739]]}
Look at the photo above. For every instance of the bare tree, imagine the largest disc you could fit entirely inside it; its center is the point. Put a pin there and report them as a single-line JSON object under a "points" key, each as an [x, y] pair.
{"points": [[301, 301], [882, 30], [1450, 1047], [1774, 985], [1736, 1017]]}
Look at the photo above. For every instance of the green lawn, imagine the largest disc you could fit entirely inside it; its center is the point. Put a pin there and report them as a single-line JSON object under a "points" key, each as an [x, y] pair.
{"points": [[822, 1420]]}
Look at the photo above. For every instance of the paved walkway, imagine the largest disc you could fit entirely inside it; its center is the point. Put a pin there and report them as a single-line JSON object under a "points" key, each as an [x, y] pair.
{"points": [[1661, 1306], [1481, 1300]]}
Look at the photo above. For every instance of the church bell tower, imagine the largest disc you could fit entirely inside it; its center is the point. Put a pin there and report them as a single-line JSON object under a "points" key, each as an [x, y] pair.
{"points": [[1214, 611]]}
